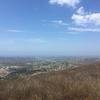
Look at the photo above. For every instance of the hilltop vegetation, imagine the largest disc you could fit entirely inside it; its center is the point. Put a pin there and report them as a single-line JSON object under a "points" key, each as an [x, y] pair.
{"points": [[82, 83]]}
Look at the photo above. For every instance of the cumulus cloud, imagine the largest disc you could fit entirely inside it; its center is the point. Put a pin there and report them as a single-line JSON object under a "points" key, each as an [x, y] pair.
{"points": [[86, 18], [71, 3]]}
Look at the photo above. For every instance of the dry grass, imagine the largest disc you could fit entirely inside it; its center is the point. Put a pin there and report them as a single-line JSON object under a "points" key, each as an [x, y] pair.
{"points": [[74, 84]]}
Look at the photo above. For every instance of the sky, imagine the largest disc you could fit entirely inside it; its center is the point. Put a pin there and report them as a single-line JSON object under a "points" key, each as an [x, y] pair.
{"points": [[49, 27]]}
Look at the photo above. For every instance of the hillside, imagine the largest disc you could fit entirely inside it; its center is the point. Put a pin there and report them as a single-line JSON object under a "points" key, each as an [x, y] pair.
{"points": [[81, 83]]}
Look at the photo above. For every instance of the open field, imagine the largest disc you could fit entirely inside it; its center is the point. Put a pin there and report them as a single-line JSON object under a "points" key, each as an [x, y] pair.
{"points": [[82, 83]]}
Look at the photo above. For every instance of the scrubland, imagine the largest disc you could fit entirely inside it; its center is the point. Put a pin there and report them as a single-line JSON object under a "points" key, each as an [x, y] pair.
{"points": [[82, 83]]}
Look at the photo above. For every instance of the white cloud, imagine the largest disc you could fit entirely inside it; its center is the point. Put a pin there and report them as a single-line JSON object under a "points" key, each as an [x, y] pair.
{"points": [[55, 22], [59, 22], [15, 31], [73, 33], [77, 29], [81, 11], [86, 18], [71, 3]]}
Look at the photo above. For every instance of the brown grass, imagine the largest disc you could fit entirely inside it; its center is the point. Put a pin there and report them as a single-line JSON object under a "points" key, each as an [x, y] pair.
{"points": [[74, 84]]}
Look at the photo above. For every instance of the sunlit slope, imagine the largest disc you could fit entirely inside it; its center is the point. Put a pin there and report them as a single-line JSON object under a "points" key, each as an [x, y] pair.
{"points": [[82, 83]]}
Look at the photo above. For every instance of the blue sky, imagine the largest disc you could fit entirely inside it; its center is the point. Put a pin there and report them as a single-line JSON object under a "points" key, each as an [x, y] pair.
{"points": [[49, 27]]}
